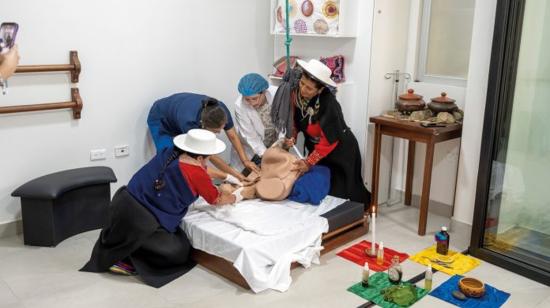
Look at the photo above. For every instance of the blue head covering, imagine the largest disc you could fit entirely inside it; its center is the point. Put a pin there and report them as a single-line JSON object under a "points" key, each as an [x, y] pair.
{"points": [[252, 84]]}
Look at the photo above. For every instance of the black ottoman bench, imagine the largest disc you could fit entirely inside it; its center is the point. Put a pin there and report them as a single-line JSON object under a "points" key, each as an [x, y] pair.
{"points": [[59, 205]]}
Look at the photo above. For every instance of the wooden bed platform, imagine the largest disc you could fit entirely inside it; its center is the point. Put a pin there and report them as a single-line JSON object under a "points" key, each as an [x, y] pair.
{"points": [[331, 241]]}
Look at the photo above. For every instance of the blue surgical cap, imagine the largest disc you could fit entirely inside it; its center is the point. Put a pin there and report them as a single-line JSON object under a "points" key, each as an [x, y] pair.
{"points": [[252, 84]]}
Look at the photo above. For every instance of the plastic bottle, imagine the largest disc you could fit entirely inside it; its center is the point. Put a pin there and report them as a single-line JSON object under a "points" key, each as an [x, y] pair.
{"points": [[380, 254], [366, 274], [442, 239], [395, 272], [428, 278]]}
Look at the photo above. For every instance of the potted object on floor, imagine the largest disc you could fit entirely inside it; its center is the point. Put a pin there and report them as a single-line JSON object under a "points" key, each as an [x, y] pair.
{"points": [[471, 287]]}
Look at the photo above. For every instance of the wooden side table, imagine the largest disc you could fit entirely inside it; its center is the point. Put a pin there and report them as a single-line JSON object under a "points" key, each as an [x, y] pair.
{"points": [[413, 132]]}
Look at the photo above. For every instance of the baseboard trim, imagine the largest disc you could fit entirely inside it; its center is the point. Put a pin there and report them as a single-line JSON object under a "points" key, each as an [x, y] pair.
{"points": [[11, 228], [461, 227], [435, 207]]}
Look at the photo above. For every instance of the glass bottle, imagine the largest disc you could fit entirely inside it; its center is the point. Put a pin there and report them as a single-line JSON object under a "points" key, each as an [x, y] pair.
{"points": [[366, 274], [442, 239], [395, 273], [380, 254], [428, 278]]}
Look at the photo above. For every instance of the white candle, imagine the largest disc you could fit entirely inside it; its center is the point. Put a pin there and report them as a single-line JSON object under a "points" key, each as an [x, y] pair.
{"points": [[373, 242]]}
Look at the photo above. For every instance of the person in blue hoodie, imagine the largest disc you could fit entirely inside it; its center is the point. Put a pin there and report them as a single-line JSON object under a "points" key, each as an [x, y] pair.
{"points": [[178, 113]]}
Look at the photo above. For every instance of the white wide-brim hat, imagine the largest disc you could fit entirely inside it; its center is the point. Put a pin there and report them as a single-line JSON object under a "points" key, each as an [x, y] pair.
{"points": [[318, 70], [199, 141]]}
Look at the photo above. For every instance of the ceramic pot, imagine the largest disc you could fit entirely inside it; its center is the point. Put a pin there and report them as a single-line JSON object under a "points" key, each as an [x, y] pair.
{"points": [[442, 104], [410, 102], [471, 287]]}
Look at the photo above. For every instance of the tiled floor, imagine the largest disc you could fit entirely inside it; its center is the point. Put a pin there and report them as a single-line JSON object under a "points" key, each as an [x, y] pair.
{"points": [[49, 277]]}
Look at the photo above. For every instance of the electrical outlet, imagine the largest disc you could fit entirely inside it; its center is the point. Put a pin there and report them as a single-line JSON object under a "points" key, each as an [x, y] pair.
{"points": [[98, 154], [122, 150]]}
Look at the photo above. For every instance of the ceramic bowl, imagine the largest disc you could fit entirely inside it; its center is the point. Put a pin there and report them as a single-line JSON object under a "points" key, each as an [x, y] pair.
{"points": [[471, 287]]}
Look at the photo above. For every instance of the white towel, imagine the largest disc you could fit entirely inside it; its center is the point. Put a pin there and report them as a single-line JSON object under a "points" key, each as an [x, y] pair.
{"points": [[263, 260], [267, 217]]}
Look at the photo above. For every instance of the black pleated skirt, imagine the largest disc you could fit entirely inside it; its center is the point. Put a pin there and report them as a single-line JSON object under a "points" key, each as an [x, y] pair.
{"points": [[133, 232], [344, 162]]}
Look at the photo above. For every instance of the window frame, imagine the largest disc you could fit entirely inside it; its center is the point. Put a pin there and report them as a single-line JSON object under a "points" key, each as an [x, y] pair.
{"points": [[422, 59], [497, 118]]}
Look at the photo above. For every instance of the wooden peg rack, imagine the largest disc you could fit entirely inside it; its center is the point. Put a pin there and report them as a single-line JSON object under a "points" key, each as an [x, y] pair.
{"points": [[76, 101]]}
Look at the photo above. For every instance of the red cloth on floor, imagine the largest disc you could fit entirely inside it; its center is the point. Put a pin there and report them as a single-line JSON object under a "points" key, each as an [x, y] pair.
{"points": [[357, 255]]}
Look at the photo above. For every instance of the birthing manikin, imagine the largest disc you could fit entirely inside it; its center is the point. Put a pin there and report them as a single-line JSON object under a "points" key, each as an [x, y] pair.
{"points": [[276, 179]]}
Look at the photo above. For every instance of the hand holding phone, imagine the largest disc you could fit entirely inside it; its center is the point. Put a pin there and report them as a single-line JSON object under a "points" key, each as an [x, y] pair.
{"points": [[8, 33]]}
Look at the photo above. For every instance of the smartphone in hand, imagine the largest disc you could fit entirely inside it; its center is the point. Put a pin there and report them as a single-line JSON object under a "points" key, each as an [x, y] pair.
{"points": [[8, 33]]}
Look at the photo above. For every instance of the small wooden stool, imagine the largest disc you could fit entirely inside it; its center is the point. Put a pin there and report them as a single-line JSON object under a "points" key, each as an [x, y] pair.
{"points": [[59, 205]]}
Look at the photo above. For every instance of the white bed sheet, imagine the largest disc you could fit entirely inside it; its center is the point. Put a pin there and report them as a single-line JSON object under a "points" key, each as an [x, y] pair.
{"points": [[263, 260]]}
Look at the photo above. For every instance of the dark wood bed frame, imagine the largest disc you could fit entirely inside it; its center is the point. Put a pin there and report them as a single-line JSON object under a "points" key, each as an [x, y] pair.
{"points": [[331, 240]]}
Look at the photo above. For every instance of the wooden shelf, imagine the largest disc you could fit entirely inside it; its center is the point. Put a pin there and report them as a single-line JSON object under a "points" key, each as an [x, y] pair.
{"points": [[277, 79], [335, 36]]}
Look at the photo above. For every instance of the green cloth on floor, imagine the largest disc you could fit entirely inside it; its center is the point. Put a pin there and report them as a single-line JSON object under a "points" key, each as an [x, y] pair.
{"points": [[377, 283]]}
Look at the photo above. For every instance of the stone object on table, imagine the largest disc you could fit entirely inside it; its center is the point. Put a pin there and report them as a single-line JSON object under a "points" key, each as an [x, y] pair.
{"points": [[394, 114], [426, 115], [458, 114], [420, 115], [445, 117]]}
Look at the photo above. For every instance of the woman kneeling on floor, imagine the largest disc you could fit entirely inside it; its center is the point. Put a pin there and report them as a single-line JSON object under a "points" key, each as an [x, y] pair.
{"points": [[143, 235]]}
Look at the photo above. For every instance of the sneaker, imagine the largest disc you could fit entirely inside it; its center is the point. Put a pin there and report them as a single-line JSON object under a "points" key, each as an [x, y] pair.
{"points": [[122, 268]]}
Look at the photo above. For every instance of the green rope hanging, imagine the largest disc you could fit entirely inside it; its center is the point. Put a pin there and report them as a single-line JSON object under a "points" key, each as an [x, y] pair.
{"points": [[288, 39]]}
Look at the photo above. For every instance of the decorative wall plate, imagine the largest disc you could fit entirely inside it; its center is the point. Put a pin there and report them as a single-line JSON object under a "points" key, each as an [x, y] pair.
{"points": [[330, 9], [320, 26], [280, 14], [300, 26], [307, 8], [321, 17], [293, 8]]}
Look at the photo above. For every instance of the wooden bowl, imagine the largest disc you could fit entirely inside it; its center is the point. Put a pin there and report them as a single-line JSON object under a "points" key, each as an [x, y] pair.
{"points": [[471, 287]]}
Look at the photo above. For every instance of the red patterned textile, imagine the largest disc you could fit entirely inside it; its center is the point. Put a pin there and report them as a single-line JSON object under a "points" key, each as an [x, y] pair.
{"points": [[357, 255]]}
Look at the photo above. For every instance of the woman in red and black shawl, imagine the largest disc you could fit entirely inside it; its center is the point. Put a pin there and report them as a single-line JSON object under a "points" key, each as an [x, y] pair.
{"points": [[314, 111]]}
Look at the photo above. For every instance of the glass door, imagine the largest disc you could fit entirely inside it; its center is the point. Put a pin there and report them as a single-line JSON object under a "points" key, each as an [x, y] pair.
{"points": [[512, 222]]}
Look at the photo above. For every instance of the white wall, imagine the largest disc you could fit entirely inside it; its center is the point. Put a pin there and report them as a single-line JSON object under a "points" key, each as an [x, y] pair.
{"points": [[132, 52], [201, 46], [352, 94], [476, 95], [463, 153], [471, 98], [446, 154], [396, 29], [390, 26]]}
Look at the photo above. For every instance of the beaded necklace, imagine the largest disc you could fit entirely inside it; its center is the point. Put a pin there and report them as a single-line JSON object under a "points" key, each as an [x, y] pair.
{"points": [[306, 110]]}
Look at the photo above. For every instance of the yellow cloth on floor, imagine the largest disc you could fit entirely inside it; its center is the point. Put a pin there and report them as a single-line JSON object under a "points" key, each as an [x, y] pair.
{"points": [[455, 262]]}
